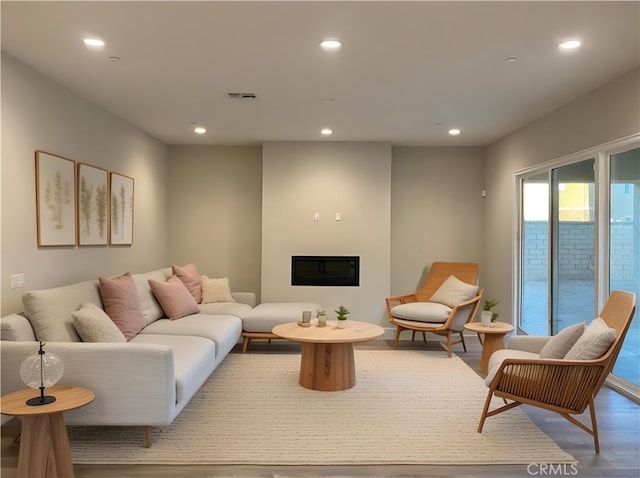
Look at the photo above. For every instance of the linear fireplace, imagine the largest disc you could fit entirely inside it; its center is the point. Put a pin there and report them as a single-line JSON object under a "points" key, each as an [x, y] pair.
{"points": [[325, 270]]}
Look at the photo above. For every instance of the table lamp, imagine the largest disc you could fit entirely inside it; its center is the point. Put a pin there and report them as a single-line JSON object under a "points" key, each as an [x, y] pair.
{"points": [[39, 371]]}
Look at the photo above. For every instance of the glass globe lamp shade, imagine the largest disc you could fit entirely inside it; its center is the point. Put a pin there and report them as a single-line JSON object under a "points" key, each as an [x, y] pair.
{"points": [[41, 370]]}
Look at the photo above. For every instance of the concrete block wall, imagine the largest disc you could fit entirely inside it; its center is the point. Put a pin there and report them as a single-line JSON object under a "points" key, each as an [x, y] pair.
{"points": [[577, 251]]}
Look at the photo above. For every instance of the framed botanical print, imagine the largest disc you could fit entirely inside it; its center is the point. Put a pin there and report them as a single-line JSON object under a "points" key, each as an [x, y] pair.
{"points": [[93, 205], [55, 200], [121, 201]]}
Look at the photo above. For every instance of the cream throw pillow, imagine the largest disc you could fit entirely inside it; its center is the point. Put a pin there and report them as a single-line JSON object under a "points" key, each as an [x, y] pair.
{"points": [[558, 346], [216, 290], [595, 341], [94, 325], [453, 292]]}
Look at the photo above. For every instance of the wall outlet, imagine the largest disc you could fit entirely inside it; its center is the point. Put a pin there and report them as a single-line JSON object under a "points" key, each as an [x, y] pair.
{"points": [[17, 280]]}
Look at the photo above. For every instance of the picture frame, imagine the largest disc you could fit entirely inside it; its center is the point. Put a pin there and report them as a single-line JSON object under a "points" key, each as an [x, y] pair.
{"points": [[121, 209], [55, 200], [93, 205]]}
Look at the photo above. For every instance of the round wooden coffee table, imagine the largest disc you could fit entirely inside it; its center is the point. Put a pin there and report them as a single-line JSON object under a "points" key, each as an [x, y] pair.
{"points": [[327, 362], [44, 445], [493, 339]]}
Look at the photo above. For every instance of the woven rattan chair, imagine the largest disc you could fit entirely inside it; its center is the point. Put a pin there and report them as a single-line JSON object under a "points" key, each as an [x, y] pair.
{"points": [[459, 314], [566, 387]]}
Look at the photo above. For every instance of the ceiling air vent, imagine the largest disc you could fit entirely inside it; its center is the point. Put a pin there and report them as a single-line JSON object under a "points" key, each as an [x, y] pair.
{"points": [[242, 96]]}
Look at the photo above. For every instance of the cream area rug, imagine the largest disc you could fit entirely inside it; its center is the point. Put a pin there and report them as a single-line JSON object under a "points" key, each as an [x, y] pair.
{"points": [[407, 407]]}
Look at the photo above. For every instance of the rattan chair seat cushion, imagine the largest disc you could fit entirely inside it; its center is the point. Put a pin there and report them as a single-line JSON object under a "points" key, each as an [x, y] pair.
{"points": [[499, 356], [422, 312]]}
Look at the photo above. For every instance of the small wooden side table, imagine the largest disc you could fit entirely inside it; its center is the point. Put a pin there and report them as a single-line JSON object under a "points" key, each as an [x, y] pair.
{"points": [[493, 339], [44, 444]]}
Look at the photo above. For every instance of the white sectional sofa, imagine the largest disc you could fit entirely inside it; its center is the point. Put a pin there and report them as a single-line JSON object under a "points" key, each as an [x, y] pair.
{"points": [[143, 381]]}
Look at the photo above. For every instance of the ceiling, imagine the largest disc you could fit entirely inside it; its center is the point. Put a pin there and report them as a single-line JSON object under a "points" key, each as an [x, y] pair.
{"points": [[406, 73]]}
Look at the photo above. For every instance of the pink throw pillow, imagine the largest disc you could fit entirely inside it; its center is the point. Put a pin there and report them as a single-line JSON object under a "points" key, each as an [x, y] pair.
{"points": [[121, 303], [174, 298], [190, 277]]}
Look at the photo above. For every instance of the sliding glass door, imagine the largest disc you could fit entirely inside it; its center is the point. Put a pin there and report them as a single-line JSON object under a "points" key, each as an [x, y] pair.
{"points": [[579, 238], [624, 256], [572, 245], [557, 256], [534, 255]]}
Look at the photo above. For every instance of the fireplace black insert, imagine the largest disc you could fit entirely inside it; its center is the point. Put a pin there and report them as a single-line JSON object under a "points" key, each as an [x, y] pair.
{"points": [[325, 270]]}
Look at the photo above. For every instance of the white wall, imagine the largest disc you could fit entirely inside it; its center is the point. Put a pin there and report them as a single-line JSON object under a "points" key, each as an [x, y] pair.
{"points": [[353, 179], [38, 114], [437, 211], [215, 213], [605, 114]]}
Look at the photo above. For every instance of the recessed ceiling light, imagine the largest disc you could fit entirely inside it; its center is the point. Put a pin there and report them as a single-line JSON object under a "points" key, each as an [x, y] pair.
{"points": [[454, 131], [511, 59], [199, 130], [569, 45], [326, 131], [93, 42], [330, 44]]}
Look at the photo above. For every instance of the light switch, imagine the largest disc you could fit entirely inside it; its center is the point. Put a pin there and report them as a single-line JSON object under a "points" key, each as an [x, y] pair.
{"points": [[17, 280], [316, 216], [338, 217]]}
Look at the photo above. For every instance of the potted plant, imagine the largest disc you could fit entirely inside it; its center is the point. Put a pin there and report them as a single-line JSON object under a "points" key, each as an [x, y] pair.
{"points": [[487, 316], [342, 313], [322, 318]]}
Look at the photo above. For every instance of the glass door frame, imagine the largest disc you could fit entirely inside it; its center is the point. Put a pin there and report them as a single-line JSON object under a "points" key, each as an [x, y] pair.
{"points": [[601, 154]]}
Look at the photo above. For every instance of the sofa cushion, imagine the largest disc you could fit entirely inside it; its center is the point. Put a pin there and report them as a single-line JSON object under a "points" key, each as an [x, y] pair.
{"points": [[594, 342], [422, 312], [17, 328], [248, 298], [216, 290], [175, 299], [558, 346], [193, 360], [94, 325], [453, 292], [225, 308], [49, 310], [224, 330], [264, 317], [151, 309], [120, 299], [190, 276]]}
